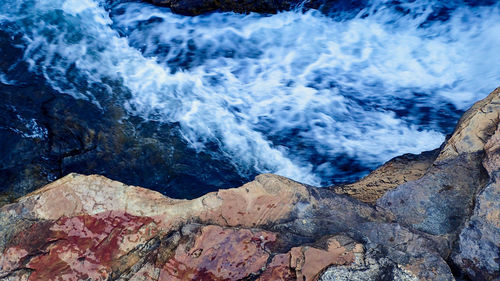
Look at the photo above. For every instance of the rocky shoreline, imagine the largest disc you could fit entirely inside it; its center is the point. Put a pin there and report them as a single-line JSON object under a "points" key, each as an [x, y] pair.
{"points": [[430, 217]]}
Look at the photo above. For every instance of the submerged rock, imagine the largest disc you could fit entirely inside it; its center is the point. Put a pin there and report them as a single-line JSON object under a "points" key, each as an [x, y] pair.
{"points": [[198, 7], [45, 135]]}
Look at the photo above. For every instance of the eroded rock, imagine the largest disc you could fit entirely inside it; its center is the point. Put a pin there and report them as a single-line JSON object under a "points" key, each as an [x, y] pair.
{"points": [[93, 227], [402, 169], [440, 202], [478, 250]]}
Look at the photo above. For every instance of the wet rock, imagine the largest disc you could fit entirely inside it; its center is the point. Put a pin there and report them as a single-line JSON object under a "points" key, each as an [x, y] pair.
{"points": [[45, 135], [197, 7]]}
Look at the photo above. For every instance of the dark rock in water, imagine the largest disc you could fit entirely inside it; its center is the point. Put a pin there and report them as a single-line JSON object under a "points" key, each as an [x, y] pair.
{"points": [[45, 135], [197, 7]]}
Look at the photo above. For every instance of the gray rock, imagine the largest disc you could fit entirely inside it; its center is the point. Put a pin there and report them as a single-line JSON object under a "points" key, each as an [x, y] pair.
{"points": [[478, 252]]}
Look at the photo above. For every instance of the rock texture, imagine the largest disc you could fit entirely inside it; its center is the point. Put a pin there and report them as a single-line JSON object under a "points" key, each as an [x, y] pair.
{"points": [[90, 227], [479, 245], [442, 215], [197, 7], [402, 169], [439, 202]]}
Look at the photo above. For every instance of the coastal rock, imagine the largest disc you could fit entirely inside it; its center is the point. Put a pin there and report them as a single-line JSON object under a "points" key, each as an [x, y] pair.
{"points": [[273, 228], [440, 202], [402, 169], [478, 250], [91, 227], [198, 7], [474, 129]]}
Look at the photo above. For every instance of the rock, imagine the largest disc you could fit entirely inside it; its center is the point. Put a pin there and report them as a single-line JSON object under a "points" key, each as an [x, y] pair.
{"points": [[197, 7], [402, 169], [440, 202], [45, 135], [90, 227], [309, 262], [478, 252], [474, 129], [374, 266]]}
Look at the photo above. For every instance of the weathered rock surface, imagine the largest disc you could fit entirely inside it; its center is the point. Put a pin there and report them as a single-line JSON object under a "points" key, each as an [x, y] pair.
{"points": [[93, 228], [439, 202], [479, 245], [402, 169]]}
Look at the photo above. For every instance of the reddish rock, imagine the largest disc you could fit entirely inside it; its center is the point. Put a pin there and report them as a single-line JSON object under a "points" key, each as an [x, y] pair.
{"points": [[309, 262], [219, 254], [279, 269], [79, 247]]}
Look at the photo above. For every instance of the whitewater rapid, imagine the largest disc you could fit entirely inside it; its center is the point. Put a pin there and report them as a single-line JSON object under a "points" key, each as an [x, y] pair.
{"points": [[300, 94]]}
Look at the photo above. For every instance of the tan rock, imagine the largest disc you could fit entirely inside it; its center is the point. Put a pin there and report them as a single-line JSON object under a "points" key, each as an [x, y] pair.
{"points": [[267, 199], [492, 160], [397, 171], [475, 127]]}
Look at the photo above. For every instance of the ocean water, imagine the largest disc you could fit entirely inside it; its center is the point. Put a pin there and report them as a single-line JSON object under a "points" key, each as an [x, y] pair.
{"points": [[319, 98]]}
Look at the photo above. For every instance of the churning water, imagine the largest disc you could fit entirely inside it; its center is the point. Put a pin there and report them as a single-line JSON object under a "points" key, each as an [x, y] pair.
{"points": [[317, 98]]}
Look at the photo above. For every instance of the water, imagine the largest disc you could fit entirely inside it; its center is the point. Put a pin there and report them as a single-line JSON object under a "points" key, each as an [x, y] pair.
{"points": [[320, 99]]}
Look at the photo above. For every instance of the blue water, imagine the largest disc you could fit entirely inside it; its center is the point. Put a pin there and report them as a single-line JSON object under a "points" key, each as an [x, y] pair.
{"points": [[319, 98]]}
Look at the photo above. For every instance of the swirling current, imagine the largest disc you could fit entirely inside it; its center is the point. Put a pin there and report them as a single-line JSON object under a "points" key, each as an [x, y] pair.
{"points": [[320, 98]]}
